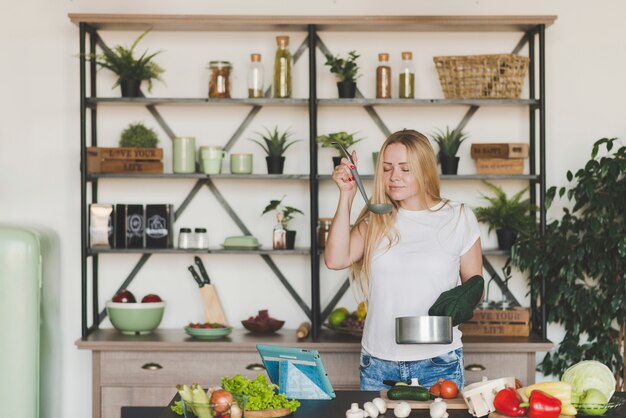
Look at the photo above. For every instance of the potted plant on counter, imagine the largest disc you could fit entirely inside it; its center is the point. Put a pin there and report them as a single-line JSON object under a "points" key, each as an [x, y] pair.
{"points": [[275, 144], [283, 237], [449, 143], [344, 138], [137, 135], [131, 71], [346, 71], [509, 217]]}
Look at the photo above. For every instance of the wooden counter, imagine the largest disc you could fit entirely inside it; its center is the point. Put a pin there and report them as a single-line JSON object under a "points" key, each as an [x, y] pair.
{"points": [[143, 370]]}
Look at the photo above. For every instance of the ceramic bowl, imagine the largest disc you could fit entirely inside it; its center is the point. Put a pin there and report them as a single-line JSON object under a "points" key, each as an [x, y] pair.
{"points": [[208, 333], [135, 318], [268, 327]]}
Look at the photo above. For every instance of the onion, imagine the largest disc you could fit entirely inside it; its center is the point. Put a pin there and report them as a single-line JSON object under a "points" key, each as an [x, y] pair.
{"points": [[221, 400]]}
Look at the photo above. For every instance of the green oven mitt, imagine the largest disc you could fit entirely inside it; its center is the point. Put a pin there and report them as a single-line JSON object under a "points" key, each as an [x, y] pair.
{"points": [[459, 302]]}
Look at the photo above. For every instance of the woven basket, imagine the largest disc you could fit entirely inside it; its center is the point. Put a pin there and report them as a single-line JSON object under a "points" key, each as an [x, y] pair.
{"points": [[498, 76]]}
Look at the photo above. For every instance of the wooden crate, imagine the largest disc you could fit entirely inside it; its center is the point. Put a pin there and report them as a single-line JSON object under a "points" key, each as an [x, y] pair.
{"points": [[498, 322], [499, 166], [124, 160], [500, 150]]}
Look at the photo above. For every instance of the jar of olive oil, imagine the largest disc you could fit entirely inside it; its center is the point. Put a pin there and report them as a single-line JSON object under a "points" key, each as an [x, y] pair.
{"points": [[407, 77]]}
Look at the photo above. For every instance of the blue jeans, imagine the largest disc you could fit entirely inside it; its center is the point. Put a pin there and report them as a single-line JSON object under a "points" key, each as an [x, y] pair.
{"points": [[374, 370]]}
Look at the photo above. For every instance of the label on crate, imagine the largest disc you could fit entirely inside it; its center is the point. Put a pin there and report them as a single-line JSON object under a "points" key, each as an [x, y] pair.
{"points": [[500, 150], [126, 153], [508, 330], [499, 166], [501, 315]]}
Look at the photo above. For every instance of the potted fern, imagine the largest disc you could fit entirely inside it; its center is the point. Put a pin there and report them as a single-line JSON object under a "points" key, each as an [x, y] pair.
{"points": [[346, 71], [130, 70], [449, 143], [508, 216], [344, 138], [283, 238], [275, 143]]}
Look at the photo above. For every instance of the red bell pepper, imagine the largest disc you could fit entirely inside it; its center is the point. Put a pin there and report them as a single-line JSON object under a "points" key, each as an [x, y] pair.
{"points": [[543, 405], [509, 403]]}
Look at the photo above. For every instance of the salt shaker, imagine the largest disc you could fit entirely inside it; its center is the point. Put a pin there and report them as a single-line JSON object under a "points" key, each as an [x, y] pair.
{"points": [[184, 238], [200, 239]]}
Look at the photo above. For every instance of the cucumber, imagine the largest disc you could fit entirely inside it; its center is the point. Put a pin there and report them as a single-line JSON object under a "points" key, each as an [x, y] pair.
{"points": [[408, 393]]}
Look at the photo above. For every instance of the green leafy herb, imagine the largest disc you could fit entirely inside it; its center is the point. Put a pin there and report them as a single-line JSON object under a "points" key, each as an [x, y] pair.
{"points": [[177, 408], [259, 393]]}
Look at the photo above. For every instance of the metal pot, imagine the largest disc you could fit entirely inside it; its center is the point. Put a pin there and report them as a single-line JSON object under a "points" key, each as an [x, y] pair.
{"points": [[424, 330]]}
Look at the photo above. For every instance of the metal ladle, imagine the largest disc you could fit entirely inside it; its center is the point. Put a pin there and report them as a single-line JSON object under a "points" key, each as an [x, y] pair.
{"points": [[378, 208]]}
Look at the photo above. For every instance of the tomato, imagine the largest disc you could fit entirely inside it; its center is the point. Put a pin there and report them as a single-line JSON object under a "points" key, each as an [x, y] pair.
{"points": [[449, 389], [436, 389]]}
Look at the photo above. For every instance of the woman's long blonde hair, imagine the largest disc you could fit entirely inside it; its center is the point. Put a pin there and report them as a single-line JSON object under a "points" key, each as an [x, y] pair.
{"points": [[423, 165]]}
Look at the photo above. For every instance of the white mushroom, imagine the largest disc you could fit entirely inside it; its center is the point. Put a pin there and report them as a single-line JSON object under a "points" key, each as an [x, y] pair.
{"points": [[438, 409], [402, 410], [381, 405], [355, 412], [371, 409]]}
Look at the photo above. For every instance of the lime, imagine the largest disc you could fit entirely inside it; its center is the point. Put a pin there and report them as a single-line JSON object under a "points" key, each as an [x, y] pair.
{"points": [[337, 316]]}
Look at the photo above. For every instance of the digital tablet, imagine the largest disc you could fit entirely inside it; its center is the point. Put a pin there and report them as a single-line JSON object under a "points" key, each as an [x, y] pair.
{"points": [[298, 372]]}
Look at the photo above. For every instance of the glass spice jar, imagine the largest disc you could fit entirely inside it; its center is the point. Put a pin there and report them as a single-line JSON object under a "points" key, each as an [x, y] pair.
{"points": [[323, 228], [383, 77], [407, 77], [282, 68], [255, 77], [219, 81]]}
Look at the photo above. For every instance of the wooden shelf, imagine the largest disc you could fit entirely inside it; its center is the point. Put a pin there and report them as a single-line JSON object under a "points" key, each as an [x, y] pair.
{"points": [[217, 23]]}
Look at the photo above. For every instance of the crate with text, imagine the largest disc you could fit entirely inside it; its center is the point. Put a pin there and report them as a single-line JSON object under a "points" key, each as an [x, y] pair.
{"points": [[500, 150], [498, 322], [124, 160]]}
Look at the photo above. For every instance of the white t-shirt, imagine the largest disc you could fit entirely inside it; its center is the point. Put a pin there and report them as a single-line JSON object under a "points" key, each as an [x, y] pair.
{"points": [[406, 279]]}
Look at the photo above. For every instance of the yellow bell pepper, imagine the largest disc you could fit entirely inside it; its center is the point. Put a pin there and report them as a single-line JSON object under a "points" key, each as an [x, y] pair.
{"points": [[361, 311], [560, 390]]}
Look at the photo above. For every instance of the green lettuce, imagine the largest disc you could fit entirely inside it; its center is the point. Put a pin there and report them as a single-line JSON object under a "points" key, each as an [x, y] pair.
{"points": [[258, 392], [589, 374]]}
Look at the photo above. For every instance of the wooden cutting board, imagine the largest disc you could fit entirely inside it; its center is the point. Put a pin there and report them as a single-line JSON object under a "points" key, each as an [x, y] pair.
{"points": [[268, 413], [456, 403], [213, 311], [498, 415]]}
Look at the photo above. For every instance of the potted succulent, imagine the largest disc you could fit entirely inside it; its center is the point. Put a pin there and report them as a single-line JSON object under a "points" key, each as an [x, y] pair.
{"points": [[131, 71], [449, 143], [137, 135], [346, 70], [344, 138], [283, 238], [509, 217], [275, 144]]}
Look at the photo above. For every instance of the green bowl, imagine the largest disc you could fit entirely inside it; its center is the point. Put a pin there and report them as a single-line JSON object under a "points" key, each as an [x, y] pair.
{"points": [[135, 318]]}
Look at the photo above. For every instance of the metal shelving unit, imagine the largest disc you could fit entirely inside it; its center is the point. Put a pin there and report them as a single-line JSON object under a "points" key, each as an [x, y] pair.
{"points": [[532, 27]]}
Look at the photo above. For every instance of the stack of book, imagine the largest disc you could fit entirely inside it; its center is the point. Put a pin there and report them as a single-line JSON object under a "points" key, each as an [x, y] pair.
{"points": [[500, 158]]}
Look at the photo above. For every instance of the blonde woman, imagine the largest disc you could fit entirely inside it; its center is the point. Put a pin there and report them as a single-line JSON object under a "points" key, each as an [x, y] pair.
{"points": [[403, 261]]}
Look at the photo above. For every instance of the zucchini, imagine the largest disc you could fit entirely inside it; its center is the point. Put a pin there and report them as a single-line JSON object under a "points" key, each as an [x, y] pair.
{"points": [[408, 393]]}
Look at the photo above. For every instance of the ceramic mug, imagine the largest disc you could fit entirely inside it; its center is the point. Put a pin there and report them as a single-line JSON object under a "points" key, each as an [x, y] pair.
{"points": [[241, 163], [184, 154], [212, 153], [212, 165]]}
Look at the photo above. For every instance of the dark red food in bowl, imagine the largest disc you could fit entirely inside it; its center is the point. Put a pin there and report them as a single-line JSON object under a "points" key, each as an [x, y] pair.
{"points": [[265, 327]]}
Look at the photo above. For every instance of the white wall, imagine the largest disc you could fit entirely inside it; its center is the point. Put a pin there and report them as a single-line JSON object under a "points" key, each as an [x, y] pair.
{"points": [[39, 136]]}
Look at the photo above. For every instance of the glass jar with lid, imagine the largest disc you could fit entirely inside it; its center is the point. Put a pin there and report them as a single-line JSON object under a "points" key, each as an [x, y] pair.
{"points": [[383, 77], [407, 77], [219, 80], [255, 77]]}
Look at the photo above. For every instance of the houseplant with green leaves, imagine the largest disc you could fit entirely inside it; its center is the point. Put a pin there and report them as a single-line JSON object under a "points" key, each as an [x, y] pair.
{"points": [[510, 217], [275, 143], [283, 238], [346, 70], [449, 143], [138, 135], [130, 70], [582, 259], [344, 138]]}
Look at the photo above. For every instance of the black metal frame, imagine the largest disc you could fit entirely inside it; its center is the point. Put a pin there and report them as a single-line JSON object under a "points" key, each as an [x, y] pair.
{"points": [[313, 42]]}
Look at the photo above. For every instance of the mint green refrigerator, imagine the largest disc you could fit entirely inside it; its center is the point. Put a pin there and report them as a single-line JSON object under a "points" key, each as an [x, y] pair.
{"points": [[20, 321]]}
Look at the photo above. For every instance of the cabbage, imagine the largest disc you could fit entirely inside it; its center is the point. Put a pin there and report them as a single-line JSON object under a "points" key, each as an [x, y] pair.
{"points": [[589, 374]]}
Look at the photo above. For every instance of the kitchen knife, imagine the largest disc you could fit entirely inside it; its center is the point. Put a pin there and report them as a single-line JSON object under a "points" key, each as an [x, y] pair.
{"points": [[195, 276], [213, 312], [203, 273]]}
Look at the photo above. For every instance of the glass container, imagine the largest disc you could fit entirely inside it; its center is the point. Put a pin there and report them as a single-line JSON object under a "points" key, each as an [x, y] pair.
{"points": [[383, 77], [200, 239], [184, 238], [219, 81], [282, 68], [407, 77], [255, 77]]}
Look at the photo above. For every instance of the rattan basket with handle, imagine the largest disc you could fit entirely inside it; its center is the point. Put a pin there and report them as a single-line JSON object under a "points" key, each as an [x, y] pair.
{"points": [[495, 76]]}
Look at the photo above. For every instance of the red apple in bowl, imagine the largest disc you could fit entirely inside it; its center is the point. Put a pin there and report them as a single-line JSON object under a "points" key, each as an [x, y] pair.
{"points": [[151, 298], [124, 296]]}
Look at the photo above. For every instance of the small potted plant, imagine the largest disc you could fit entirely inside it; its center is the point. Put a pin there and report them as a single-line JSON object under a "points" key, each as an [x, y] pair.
{"points": [[275, 144], [346, 70], [283, 238], [449, 143], [509, 217], [137, 135], [131, 71], [344, 138]]}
